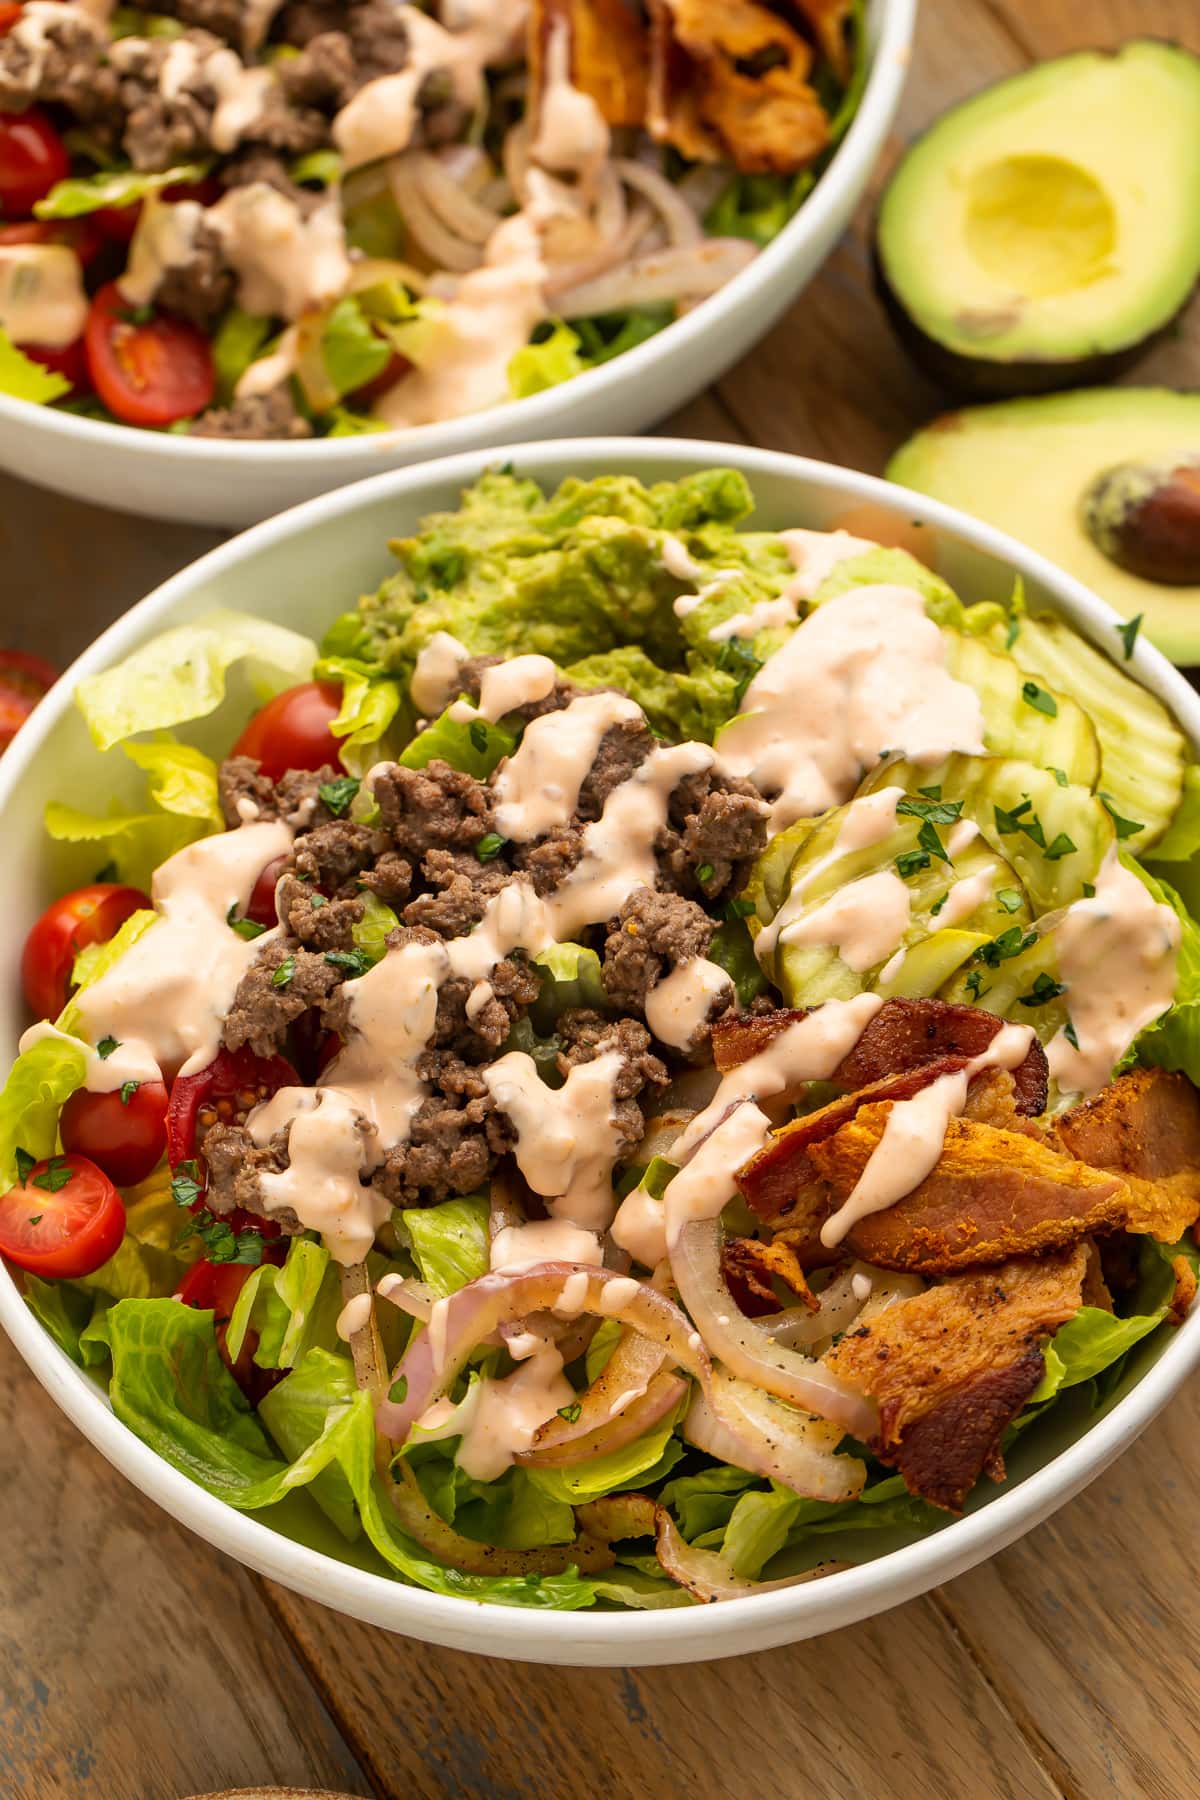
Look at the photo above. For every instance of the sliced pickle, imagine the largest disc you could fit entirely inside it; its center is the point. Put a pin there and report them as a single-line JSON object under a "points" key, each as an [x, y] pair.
{"points": [[1023, 719], [1011, 988], [1142, 750]]}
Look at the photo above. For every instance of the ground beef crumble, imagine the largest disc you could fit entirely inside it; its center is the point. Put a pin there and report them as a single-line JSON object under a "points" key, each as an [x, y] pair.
{"points": [[255, 418]]}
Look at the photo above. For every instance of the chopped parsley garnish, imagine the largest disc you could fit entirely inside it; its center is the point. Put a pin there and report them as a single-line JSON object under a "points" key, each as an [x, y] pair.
{"points": [[338, 793], [910, 862], [106, 1046], [975, 985], [1013, 632], [54, 1176], [1069, 1028], [36, 1218], [938, 904], [352, 962], [1044, 988], [221, 1243], [315, 900], [931, 793], [1089, 890], [705, 873], [26, 1164], [489, 846], [1009, 943], [1128, 633], [1015, 820], [736, 659], [128, 1090], [934, 812], [1039, 699], [1060, 775], [738, 909], [1009, 899], [245, 928], [185, 1184], [1061, 846], [1125, 828], [929, 840], [572, 1412], [477, 732], [107, 873], [283, 974]]}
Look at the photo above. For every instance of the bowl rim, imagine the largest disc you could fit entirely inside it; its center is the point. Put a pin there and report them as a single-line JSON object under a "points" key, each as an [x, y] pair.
{"points": [[540, 415], [760, 1620]]}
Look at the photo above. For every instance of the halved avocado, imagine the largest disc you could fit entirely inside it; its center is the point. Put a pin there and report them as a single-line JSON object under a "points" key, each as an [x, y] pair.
{"points": [[1041, 468], [1041, 232]]}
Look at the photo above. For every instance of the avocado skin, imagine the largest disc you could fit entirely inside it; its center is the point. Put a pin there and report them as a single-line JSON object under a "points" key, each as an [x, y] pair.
{"points": [[991, 378], [982, 377]]}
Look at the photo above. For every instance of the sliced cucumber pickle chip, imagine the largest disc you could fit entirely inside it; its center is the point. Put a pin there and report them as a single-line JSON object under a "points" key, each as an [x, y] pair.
{"points": [[1022, 718]]}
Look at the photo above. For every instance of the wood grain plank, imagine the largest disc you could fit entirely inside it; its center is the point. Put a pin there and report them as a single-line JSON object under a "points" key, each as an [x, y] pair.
{"points": [[897, 1694], [1089, 1630], [1049, 30], [135, 1662]]}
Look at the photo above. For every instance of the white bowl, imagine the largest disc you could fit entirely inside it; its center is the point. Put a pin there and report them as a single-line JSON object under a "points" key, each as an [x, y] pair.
{"points": [[302, 569], [205, 481]]}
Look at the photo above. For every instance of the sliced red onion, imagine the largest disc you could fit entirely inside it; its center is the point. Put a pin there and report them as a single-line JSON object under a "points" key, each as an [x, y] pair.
{"points": [[625, 1377], [641, 1414], [704, 1573], [458, 1323], [682, 272], [741, 1425], [416, 1298], [746, 1350], [682, 225]]}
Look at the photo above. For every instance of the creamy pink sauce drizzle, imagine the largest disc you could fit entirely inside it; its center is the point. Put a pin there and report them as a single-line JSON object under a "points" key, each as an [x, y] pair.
{"points": [[968, 895], [172, 990], [286, 262], [868, 821], [164, 239], [42, 300], [640, 1227], [678, 1006], [567, 1139], [815, 555], [435, 676], [863, 673], [537, 789], [864, 921], [544, 1240], [915, 1134], [518, 682], [571, 136], [1117, 955]]}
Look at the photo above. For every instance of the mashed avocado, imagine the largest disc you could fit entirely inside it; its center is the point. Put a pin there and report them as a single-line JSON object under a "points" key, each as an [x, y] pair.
{"points": [[580, 576]]}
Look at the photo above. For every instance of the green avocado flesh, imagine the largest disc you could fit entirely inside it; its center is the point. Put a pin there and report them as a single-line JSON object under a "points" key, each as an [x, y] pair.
{"points": [[1027, 466], [1052, 218]]}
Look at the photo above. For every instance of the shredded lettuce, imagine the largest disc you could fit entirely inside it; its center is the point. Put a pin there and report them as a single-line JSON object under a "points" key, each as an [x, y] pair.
{"points": [[24, 379], [181, 786], [95, 960], [1181, 840], [81, 194], [758, 1528], [550, 358], [638, 1465], [342, 421], [511, 1511], [371, 932], [732, 949], [570, 978], [39, 1084], [450, 1243], [170, 1387], [758, 206], [351, 349], [180, 674], [293, 1308], [1173, 1042]]}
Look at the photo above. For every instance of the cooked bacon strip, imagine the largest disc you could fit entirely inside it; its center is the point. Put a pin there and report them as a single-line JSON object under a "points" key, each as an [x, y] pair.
{"points": [[608, 54], [729, 79], [992, 1195], [827, 19], [749, 1265], [775, 1181], [1144, 1126], [903, 1035], [952, 1367]]}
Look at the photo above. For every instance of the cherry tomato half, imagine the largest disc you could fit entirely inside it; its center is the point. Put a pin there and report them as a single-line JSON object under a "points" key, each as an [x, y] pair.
{"points": [[123, 1133], [149, 374], [23, 681], [292, 730], [65, 1220], [214, 1287], [80, 235], [32, 159], [261, 906], [70, 361], [89, 915], [233, 1083]]}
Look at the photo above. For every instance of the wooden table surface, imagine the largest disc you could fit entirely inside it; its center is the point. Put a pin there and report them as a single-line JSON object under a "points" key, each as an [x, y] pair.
{"points": [[138, 1664]]}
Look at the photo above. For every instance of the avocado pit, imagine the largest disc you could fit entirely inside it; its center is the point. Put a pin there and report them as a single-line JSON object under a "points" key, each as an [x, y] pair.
{"points": [[1145, 517]]}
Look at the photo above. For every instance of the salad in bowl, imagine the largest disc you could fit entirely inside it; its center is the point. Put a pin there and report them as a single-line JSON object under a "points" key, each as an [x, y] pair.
{"points": [[657, 1056], [331, 218]]}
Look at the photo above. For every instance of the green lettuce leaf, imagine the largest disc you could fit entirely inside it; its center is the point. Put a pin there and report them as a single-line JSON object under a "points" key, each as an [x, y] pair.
{"points": [[1094, 1340], [450, 1243], [239, 341], [638, 1465], [342, 421], [511, 1511], [182, 790], [319, 168], [293, 1307], [1173, 1042], [24, 379], [295, 1414], [60, 1309], [180, 674], [371, 933], [611, 334], [475, 746], [39, 1084], [72, 198], [551, 358], [758, 206], [351, 349], [95, 960], [732, 949], [604, 1342], [758, 1528], [1181, 840], [370, 704], [704, 1502], [642, 1589], [170, 1387], [571, 978]]}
